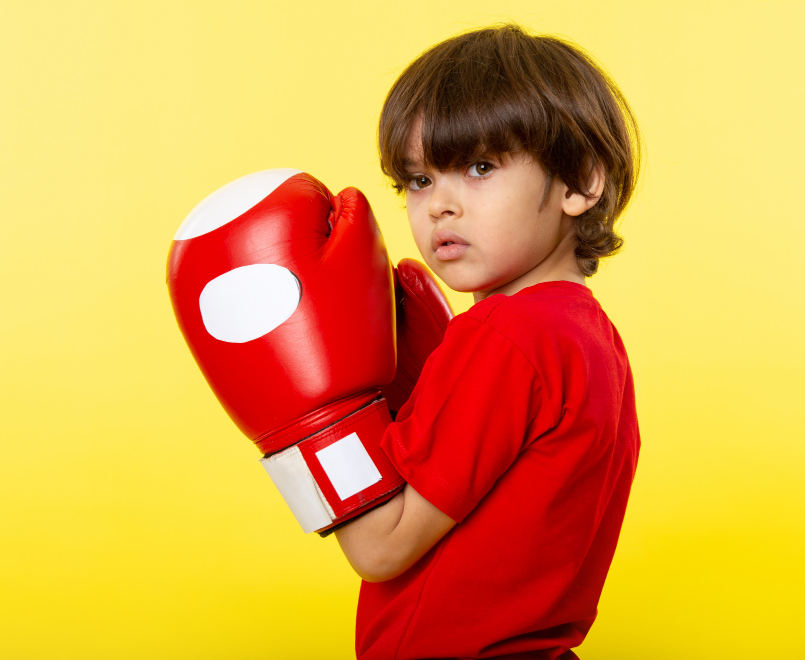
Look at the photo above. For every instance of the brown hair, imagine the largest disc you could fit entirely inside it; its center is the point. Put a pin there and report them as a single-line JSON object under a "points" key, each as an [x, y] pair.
{"points": [[500, 90]]}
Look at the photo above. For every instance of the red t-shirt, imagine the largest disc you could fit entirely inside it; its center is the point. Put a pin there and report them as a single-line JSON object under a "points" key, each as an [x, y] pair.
{"points": [[522, 428]]}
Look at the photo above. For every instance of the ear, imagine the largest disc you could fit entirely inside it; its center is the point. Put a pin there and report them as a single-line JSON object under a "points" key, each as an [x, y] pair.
{"points": [[575, 203]]}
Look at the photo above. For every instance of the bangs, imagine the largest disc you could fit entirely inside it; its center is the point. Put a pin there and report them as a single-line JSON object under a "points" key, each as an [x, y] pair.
{"points": [[465, 95]]}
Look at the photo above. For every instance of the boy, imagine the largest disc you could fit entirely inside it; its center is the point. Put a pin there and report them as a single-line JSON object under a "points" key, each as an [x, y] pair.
{"points": [[516, 154]]}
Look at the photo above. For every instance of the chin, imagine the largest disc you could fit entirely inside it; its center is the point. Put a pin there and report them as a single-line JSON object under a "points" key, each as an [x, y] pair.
{"points": [[463, 277], [463, 284], [451, 281]]}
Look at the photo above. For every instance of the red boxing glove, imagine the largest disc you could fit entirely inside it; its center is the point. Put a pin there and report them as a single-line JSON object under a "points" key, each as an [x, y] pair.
{"points": [[423, 313], [283, 293]]}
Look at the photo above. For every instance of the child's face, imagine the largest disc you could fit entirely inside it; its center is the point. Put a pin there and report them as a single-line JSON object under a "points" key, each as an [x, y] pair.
{"points": [[486, 229]]}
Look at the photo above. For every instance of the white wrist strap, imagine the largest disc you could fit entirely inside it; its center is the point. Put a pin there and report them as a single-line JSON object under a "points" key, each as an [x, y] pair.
{"points": [[346, 463]]}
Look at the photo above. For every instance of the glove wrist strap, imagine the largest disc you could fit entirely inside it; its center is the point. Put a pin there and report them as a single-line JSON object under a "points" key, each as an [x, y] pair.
{"points": [[337, 473]]}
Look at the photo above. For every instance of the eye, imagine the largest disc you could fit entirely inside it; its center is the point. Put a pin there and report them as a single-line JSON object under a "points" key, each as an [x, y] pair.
{"points": [[419, 182], [480, 170]]}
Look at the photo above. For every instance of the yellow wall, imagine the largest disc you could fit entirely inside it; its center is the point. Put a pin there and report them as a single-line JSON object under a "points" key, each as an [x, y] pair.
{"points": [[135, 520]]}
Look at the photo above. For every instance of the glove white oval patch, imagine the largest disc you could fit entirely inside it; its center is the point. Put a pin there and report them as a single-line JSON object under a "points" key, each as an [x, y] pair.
{"points": [[248, 302], [232, 201]]}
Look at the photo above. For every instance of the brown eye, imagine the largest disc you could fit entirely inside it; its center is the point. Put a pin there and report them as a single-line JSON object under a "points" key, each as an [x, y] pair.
{"points": [[419, 182], [480, 169]]}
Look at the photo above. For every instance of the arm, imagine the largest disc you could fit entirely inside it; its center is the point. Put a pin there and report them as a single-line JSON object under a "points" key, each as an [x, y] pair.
{"points": [[387, 541]]}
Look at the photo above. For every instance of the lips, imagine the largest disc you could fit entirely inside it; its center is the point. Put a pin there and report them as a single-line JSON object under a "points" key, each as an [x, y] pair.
{"points": [[446, 237]]}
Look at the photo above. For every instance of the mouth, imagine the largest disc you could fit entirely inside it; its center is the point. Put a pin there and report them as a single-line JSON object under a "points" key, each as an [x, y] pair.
{"points": [[448, 245], [450, 251], [446, 238]]}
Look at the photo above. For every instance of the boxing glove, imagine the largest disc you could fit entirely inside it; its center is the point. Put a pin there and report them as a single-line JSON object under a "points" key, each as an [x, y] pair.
{"points": [[284, 295], [423, 313]]}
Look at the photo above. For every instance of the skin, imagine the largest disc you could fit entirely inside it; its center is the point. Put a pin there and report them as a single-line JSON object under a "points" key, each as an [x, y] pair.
{"points": [[518, 225]]}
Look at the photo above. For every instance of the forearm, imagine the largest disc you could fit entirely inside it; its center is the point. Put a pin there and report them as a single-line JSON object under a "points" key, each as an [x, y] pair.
{"points": [[367, 541], [388, 540]]}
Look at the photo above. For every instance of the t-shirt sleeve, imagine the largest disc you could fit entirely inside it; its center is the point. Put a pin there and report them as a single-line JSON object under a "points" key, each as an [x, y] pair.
{"points": [[477, 402]]}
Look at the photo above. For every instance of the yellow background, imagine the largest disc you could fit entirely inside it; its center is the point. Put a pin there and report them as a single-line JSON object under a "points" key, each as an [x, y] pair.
{"points": [[135, 520]]}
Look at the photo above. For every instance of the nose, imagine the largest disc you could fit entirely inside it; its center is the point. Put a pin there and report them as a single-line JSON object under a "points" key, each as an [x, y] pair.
{"points": [[444, 200]]}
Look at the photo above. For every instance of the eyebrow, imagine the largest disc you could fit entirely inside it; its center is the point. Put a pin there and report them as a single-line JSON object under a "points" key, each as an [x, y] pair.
{"points": [[409, 164]]}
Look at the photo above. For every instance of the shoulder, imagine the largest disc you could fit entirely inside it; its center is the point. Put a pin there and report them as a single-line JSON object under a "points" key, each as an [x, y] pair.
{"points": [[558, 310], [559, 327]]}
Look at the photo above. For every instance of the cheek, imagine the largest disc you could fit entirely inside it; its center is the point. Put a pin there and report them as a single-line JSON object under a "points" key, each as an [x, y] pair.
{"points": [[419, 223]]}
